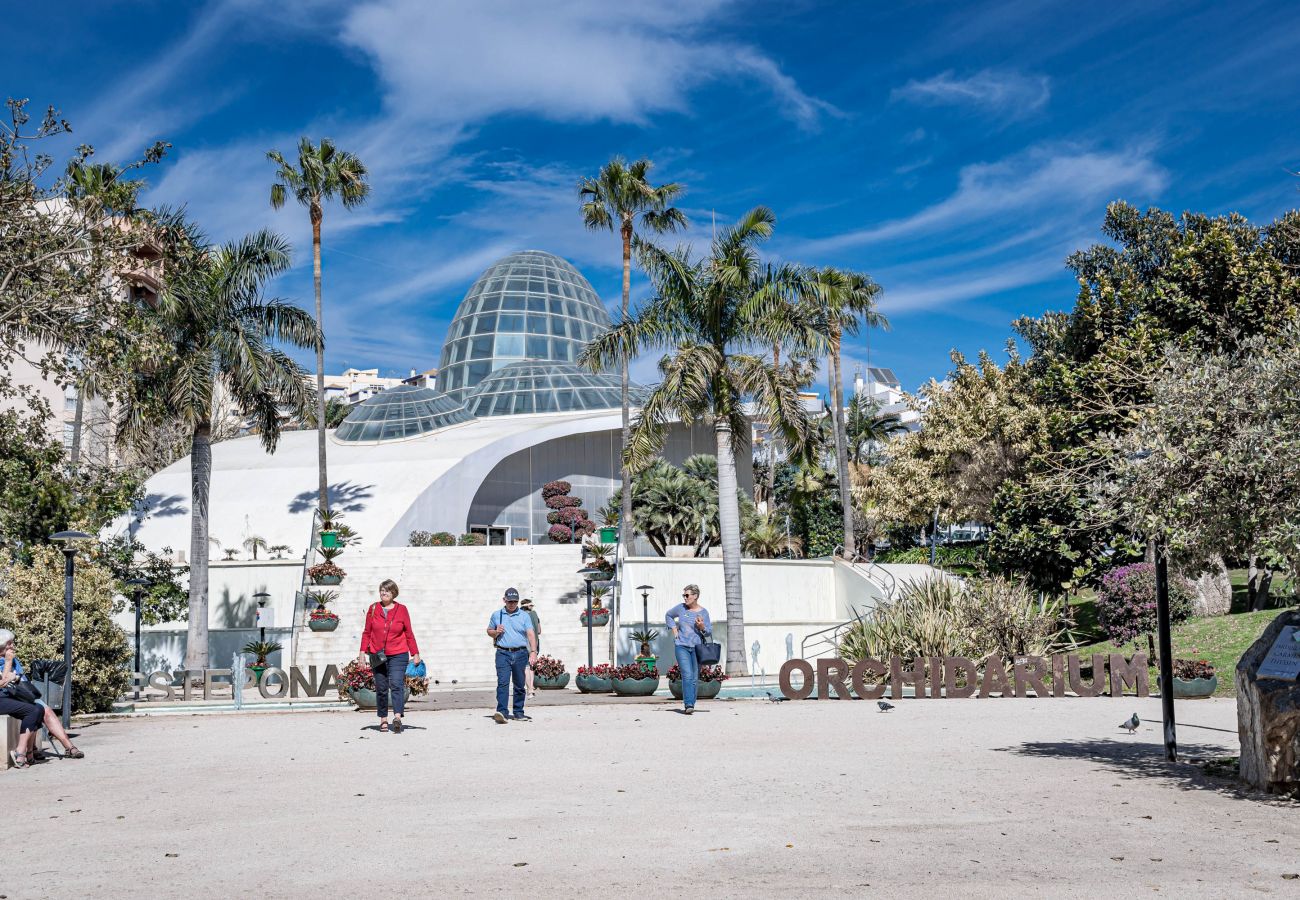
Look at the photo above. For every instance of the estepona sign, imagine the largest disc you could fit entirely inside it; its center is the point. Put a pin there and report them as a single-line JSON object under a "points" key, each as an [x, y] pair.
{"points": [[956, 677], [273, 684]]}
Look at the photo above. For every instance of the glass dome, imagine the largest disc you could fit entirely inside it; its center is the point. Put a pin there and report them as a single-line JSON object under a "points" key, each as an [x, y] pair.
{"points": [[529, 305], [400, 412], [544, 387]]}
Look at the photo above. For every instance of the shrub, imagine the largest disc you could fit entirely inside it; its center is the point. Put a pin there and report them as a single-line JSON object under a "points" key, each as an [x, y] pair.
{"points": [[548, 667], [359, 676], [924, 621], [1193, 668], [707, 673], [555, 489], [559, 534], [325, 569], [420, 539], [321, 598], [442, 539], [472, 540], [634, 670], [31, 606], [320, 615], [1003, 617], [602, 670], [1126, 602]]}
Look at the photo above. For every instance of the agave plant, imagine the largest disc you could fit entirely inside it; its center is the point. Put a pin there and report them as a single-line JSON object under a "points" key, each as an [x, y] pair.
{"points": [[646, 638], [261, 650], [926, 620]]}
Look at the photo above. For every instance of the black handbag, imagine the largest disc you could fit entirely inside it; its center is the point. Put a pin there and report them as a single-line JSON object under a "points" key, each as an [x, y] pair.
{"points": [[22, 691], [708, 653]]}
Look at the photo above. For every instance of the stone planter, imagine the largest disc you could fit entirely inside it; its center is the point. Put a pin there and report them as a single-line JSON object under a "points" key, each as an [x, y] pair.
{"points": [[555, 683], [636, 687], [365, 698], [327, 579], [599, 617], [595, 684], [322, 624], [704, 690], [1194, 688]]}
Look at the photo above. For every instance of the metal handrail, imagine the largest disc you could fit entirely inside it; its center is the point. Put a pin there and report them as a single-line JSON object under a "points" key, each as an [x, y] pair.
{"points": [[892, 587], [299, 617]]}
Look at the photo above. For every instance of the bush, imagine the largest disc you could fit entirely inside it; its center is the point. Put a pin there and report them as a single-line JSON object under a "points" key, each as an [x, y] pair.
{"points": [[634, 670], [1126, 602], [548, 667], [946, 555], [560, 534], [555, 489], [1003, 617], [707, 673], [32, 608], [430, 539], [472, 540], [359, 676]]}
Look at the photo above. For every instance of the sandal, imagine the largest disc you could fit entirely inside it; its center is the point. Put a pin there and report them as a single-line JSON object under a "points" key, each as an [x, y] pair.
{"points": [[383, 726], [73, 753], [20, 759]]}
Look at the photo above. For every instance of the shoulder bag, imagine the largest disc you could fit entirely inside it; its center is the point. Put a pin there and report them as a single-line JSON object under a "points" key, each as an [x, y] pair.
{"points": [[21, 690], [707, 653], [378, 658]]}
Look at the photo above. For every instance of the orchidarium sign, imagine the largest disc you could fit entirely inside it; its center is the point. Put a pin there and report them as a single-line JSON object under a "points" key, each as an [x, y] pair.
{"points": [[956, 677]]}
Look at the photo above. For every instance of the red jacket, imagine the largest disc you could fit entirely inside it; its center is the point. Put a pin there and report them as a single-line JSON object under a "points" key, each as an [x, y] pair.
{"points": [[390, 633]]}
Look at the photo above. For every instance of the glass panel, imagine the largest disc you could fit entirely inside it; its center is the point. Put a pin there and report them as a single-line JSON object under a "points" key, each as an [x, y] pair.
{"points": [[536, 285], [510, 345], [536, 303], [501, 405], [510, 322], [477, 372], [517, 284], [481, 348], [490, 302], [571, 307], [513, 302], [564, 399], [485, 324], [537, 347], [523, 404], [545, 401], [557, 324], [536, 324]]}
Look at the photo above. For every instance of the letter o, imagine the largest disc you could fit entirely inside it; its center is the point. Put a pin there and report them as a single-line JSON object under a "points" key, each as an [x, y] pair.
{"points": [[265, 682], [803, 667]]}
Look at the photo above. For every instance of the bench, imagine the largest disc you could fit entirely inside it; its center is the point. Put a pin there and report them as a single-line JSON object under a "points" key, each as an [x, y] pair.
{"points": [[10, 729]]}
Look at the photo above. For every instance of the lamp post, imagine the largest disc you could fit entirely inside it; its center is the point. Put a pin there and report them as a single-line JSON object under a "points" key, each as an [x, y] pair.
{"points": [[645, 605], [137, 598], [1166, 651], [261, 597], [590, 574], [69, 540]]}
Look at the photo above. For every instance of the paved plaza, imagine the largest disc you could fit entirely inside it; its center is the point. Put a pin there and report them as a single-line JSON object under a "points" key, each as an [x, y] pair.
{"points": [[745, 799]]}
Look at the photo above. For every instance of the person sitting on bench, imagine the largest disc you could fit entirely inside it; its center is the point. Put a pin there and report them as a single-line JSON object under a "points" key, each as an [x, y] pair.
{"points": [[31, 714]]}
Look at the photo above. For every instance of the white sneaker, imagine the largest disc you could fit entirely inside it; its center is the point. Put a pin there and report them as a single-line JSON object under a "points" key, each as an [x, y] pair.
{"points": [[499, 718]]}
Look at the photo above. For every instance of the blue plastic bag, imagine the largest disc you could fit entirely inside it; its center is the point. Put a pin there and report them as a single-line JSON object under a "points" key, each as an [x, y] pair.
{"points": [[416, 670]]}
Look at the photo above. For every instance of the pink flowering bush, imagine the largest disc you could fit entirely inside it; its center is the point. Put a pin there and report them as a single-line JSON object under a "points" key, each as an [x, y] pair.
{"points": [[602, 670], [707, 673], [1126, 602]]}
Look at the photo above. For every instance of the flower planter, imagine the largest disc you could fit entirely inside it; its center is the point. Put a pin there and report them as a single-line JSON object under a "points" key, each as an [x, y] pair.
{"points": [[257, 673], [322, 624], [1194, 688], [704, 690], [329, 540], [598, 618], [555, 683], [365, 698], [327, 579], [636, 687], [595, 684], [648, 661]]}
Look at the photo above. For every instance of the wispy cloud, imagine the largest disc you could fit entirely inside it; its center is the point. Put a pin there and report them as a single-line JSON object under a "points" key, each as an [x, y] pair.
{"points": [[1002, 93]]}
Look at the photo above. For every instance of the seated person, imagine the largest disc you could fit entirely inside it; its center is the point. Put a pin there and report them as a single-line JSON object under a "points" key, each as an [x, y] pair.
{"points": [[31, 715]]}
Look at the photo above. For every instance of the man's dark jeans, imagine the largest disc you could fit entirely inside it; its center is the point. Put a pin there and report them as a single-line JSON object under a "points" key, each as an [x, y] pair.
{"points": [[511, 664], [391, 676]]}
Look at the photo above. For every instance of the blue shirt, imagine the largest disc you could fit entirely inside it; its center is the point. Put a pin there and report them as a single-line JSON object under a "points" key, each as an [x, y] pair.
{"points": [[684, 619], [518, 625]]}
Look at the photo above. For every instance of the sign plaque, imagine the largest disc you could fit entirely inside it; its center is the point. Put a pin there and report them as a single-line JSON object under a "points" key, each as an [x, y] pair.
{"points": [[1283, 658]]}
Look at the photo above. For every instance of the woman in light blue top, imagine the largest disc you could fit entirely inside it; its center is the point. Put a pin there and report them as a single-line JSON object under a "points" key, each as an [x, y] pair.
{"points": [[690, 623]]}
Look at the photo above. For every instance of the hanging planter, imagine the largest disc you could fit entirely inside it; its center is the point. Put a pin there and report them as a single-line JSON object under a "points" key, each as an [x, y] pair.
{"points": [[323, 621], [329, 540], [599, 617], [325, 573]]}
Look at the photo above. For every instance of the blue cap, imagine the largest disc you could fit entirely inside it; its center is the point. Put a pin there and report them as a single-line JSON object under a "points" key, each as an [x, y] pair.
{"points": [[512, 594]]}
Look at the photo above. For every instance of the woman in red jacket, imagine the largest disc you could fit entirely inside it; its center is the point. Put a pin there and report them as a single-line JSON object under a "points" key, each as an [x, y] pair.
{"points": [[390, 645]]}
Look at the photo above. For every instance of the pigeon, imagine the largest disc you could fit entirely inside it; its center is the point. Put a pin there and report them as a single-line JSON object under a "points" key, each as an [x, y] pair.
{"points": [[1132, 724], [775, 699], [884, 707]]}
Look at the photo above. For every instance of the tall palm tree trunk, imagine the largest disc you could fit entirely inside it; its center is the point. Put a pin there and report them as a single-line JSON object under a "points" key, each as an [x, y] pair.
{"points": [[841, 448], [625, 532], [196, 633], [78, 422], [729, 526], [316, 216], [771, 442]]}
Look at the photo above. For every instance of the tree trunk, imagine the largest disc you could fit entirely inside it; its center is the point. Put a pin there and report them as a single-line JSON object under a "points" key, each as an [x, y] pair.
{"points": [[841, 450], [316, 216], [625, 531], [1257, 587], [771, 442], [196, 634], [78, 422], [729, 526]]}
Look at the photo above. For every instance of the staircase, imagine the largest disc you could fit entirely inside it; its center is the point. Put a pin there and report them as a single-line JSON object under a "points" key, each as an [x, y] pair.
{"points": [[451, 592]]}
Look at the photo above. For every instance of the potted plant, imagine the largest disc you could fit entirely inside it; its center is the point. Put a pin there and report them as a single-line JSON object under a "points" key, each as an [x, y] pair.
{"points": [[549, 674], [708, 686], [599, 554], [357, 683], [645, 639], [599, 612], [329, 529], [325, 573], [596, 679], [1194, 679], [635, 680], [260, 650]]}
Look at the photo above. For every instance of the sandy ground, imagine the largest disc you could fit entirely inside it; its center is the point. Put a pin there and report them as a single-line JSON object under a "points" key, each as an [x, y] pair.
{"points": [[963, 798]]}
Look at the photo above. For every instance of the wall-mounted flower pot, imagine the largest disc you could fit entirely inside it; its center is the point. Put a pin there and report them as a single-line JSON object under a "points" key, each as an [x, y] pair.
{"points": [[329, 540], [554, 683], [595, 684], [322, 624], [704, 690], [327, 579], [636, 687], [599, 617], [257, 673]]}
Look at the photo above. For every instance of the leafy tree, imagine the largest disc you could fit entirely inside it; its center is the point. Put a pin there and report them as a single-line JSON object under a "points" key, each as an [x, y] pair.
{"points": [[163, 598], [615, 200], [323, 173], [709, 313], [223, 330], [767, 539]]}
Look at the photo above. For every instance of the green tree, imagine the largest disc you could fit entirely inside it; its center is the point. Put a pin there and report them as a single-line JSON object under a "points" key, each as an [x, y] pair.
{"points": [[323, 173], [617, 199], [709, 314], [336, 410], [866, 428], [224, 331]]}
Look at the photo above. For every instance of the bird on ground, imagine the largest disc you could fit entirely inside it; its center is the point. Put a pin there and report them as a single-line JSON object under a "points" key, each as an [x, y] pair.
{"points": [[1132, 724], [884, 707], [775, 699]]}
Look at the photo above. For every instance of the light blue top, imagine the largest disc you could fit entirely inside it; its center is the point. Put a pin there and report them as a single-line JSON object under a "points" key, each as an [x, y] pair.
{"points": [[687, 634], [517, 624]]}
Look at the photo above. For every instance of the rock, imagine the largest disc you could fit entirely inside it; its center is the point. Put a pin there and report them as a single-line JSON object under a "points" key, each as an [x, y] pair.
{"points": [[1211, 590], [1268, 718]]}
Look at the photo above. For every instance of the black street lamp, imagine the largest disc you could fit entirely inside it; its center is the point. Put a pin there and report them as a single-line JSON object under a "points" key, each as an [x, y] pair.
{"points": [[261, 597], [590, 574], [1166, 650], [137, 598], [645, 605], [69, 540]]}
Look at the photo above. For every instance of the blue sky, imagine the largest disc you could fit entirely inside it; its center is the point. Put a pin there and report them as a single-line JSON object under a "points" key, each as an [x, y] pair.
{"points": [[957, 152]]}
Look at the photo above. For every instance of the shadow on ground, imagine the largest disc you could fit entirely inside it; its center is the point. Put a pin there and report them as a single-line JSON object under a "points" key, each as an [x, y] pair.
{"points": [[1146, 760]]}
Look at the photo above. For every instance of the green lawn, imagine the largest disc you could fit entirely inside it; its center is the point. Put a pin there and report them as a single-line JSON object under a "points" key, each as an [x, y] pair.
{"points": [[1220, 639]]}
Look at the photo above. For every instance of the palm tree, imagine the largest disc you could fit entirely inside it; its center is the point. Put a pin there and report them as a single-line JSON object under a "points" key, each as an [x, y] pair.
{"points": [[336, 410], [866, 427], [323, 173], [709, 314], [843, 301], [614, 200], [253, 543], [765, 539], [222, 328]]}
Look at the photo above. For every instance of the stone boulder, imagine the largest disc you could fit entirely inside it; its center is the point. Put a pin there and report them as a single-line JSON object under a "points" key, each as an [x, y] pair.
{"points": [[1268, 718], [1211, 590]]}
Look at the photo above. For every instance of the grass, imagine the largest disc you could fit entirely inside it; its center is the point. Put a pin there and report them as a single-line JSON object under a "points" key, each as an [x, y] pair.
{"points": [[1220, 639]]}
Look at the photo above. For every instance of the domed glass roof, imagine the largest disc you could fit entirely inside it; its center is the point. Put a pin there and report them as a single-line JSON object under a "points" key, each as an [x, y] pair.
{"points": [[400, 412], [543, 387], [529, 305]]}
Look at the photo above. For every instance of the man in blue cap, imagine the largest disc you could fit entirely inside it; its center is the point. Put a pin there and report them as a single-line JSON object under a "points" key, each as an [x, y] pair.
{"points": [[511, 630]]}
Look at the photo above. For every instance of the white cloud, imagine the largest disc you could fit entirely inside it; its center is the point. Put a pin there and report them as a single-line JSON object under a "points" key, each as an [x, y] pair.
{"points": [[582, 60], [1008, 94]]}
